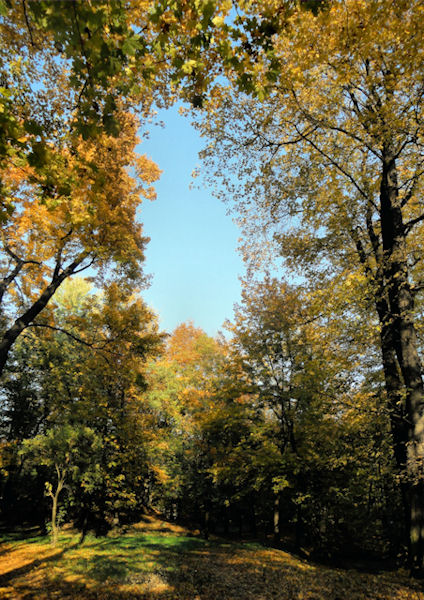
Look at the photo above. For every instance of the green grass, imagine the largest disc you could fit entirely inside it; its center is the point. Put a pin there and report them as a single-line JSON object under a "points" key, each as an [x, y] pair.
{"points": [[117, 558], [158, 561]]}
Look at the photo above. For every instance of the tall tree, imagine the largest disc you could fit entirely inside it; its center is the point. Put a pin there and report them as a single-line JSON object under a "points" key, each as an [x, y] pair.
{"points": [[73, 75], [331, 161], [56, 231], [310, 399]]}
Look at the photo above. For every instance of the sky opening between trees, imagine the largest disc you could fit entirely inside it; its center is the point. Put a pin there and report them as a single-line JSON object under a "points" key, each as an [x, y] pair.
{"points": [[304, 424]]}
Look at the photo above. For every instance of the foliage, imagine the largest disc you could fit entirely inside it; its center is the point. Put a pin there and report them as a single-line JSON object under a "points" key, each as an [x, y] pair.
{"points": [[70, 450], [181, 398], [88, 372], [313, 112], [274, 426], [89, 224], [323, 140], [314, 419], [67, 68]]}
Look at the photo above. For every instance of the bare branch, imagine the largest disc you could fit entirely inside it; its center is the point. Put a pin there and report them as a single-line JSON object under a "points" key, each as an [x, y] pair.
{"points": [[15, 257], [66, 332], [20, 263], [410, 224], [335, 164], [85, 267], [28, 23]]}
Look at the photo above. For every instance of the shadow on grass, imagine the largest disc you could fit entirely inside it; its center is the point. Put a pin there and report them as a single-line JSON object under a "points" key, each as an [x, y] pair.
{"points": [[157, 567], [37, 562], [128, 556], [19, 534]]}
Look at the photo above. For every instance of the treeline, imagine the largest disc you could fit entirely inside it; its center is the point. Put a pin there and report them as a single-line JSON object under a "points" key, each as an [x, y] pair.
{"points": [[311, 418], [75, 427], [278, 433]]}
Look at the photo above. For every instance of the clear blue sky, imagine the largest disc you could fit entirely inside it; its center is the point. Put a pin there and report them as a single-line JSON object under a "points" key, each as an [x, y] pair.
{"points": [[192, 253]]}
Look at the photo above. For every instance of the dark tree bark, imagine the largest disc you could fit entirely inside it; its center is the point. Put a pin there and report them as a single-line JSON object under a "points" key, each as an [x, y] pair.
{"points": [[394, 302], [22, 322], [409, 432], [252, 516]]}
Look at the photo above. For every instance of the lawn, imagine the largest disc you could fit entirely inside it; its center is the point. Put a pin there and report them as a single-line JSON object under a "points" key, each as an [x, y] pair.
{"points": [[161, 561]]}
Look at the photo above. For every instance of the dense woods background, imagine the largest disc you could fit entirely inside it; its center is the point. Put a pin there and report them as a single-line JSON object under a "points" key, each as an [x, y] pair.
{"points": [[304, 425]]}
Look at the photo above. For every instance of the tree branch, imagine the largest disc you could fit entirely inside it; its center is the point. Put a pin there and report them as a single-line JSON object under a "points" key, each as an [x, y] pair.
{"points": [[410, 224], [22, 322], [335, 164], [28, 23], [66, 332], [6, 281]]}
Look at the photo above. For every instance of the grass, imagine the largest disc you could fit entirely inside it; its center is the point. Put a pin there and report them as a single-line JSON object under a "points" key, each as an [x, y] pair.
{"points": [[155, 560]]}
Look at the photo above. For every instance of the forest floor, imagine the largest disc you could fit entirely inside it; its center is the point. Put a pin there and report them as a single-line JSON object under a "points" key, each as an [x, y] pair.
{"points": [[156, 560]]}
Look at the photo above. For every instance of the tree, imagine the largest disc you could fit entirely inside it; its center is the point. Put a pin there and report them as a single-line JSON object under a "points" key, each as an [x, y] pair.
{"points": [[87, 371], [70, 75], [57, 232], [68, 67], [331, 161], [182, 397], [65, 451], [113, 397], [71, 67]]}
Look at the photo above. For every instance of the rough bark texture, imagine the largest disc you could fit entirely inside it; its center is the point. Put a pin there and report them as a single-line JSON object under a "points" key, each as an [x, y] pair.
{"points": [[402, 368], [409, 434]]}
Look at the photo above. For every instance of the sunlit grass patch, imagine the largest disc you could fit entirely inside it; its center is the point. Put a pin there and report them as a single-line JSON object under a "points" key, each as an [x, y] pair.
{"points": [[169, 563]]}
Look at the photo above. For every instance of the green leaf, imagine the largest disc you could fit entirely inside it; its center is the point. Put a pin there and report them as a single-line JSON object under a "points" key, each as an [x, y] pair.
{"points": [[130, 46], [33, 127], [111, 125], [38, 156], [4, 7]]}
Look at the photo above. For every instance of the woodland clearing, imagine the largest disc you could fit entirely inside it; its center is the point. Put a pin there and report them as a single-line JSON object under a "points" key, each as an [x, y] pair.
{"points": [[157, 560]]}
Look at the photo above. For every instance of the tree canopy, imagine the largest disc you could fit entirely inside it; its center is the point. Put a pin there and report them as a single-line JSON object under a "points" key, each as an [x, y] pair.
{"points": [[324, 134], [305, 424]]}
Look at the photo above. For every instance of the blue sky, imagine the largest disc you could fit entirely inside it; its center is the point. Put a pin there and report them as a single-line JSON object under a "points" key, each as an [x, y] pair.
{"points": [[192, 253]]}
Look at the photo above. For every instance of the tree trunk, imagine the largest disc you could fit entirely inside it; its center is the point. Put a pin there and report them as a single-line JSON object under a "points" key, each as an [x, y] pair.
{"points": [[54, 517], [206, 524], [398, 418], [399, 321], [253, 526], [299, 527], [394, 383], [276, 520], [61, 474], [226, 519]]}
